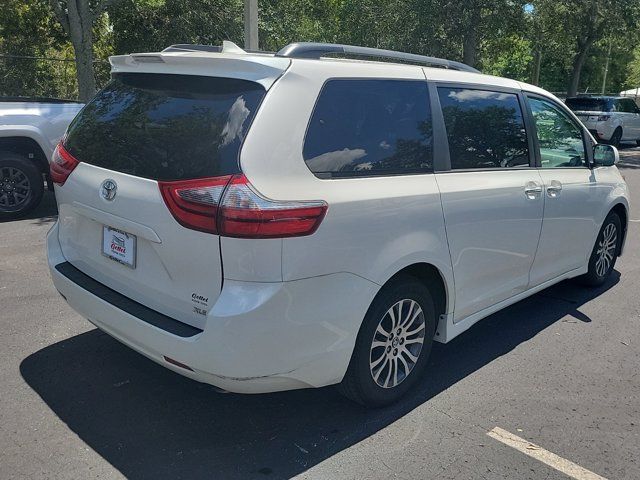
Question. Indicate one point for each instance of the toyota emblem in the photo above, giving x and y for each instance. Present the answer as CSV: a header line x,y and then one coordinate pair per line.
x,y
108,189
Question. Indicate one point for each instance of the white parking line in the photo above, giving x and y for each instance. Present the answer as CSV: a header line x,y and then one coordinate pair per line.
x,y
545,456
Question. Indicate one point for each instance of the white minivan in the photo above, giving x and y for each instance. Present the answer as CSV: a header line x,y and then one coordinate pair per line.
x,y
265,222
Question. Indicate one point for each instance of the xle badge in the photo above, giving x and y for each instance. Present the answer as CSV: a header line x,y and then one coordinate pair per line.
x,y
201,303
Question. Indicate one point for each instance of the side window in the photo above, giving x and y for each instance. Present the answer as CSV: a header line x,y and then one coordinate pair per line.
x,y
559,137
628,105
370,127
485,129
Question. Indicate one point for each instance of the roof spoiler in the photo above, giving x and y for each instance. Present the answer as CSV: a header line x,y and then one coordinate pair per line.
x,y
193,60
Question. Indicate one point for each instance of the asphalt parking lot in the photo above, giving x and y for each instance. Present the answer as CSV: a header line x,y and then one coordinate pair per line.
x,y
560,370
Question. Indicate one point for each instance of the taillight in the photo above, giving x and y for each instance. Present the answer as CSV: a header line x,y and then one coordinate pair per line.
x,y
229,206
62,164
603,118
246,214
194,203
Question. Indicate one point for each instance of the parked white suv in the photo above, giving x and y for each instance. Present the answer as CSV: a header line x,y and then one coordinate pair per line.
x,y
612,119
265,222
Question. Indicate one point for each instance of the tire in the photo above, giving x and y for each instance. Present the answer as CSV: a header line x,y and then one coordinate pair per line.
x,y
601,263
616,137
396,353
21,185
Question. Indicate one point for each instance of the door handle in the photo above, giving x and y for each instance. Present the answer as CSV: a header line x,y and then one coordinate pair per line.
x,y
532,190
554,188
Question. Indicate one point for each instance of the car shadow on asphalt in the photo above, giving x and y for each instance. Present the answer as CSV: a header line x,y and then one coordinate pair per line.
x,y
629,157
46,212
149,422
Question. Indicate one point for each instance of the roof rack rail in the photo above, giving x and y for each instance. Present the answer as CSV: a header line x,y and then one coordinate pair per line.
x,y
319,50
226,47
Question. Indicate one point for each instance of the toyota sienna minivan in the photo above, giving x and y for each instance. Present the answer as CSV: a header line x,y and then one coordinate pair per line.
x,y
264,222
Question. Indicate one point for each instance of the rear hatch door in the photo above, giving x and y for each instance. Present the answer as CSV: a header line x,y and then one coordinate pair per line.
x,y
589,109
141,130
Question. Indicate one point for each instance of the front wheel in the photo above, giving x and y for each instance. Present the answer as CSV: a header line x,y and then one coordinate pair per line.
x,y
393,344
21,185
605,251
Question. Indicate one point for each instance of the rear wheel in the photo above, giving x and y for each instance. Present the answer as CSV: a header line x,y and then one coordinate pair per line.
x,y
616,137
21,185
605,252
393,344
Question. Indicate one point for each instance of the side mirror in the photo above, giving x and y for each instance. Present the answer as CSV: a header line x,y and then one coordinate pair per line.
x,y
605,155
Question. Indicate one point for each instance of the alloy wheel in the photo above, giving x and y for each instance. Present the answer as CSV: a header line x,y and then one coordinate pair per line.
x,y
606,249
15,188
397,343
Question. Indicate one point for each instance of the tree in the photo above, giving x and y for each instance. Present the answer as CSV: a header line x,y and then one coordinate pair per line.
x,y
590,27
507,56
152,25
458,29
77,18
556,43
23,70
581,24
633,71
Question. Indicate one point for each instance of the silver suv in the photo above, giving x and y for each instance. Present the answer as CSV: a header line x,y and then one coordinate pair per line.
x,y
612,119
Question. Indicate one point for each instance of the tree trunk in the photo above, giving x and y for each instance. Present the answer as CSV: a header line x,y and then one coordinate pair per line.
x,y
76,18
81,34
578,63
537,60
470,48
470,36
84,69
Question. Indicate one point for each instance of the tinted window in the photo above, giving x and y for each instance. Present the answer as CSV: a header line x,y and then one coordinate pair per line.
x,y
559,137
166,127
627,105
370,127
485,128
589,104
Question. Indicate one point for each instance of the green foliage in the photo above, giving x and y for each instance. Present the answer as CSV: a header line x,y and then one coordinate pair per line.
x,y
20,23
502,37
571,31
508,57
632,79
152,25
286,21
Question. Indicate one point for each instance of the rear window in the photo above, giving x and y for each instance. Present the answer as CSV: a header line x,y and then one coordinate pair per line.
x,y
370,127
588,104
166,127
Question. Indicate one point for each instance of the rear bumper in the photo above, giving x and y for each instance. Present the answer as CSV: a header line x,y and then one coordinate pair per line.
x,y
601,131
595,133
259,337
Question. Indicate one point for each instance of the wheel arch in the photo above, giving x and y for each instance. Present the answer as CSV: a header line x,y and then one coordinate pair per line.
x,y
28,147
621,210
617,127
433,279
